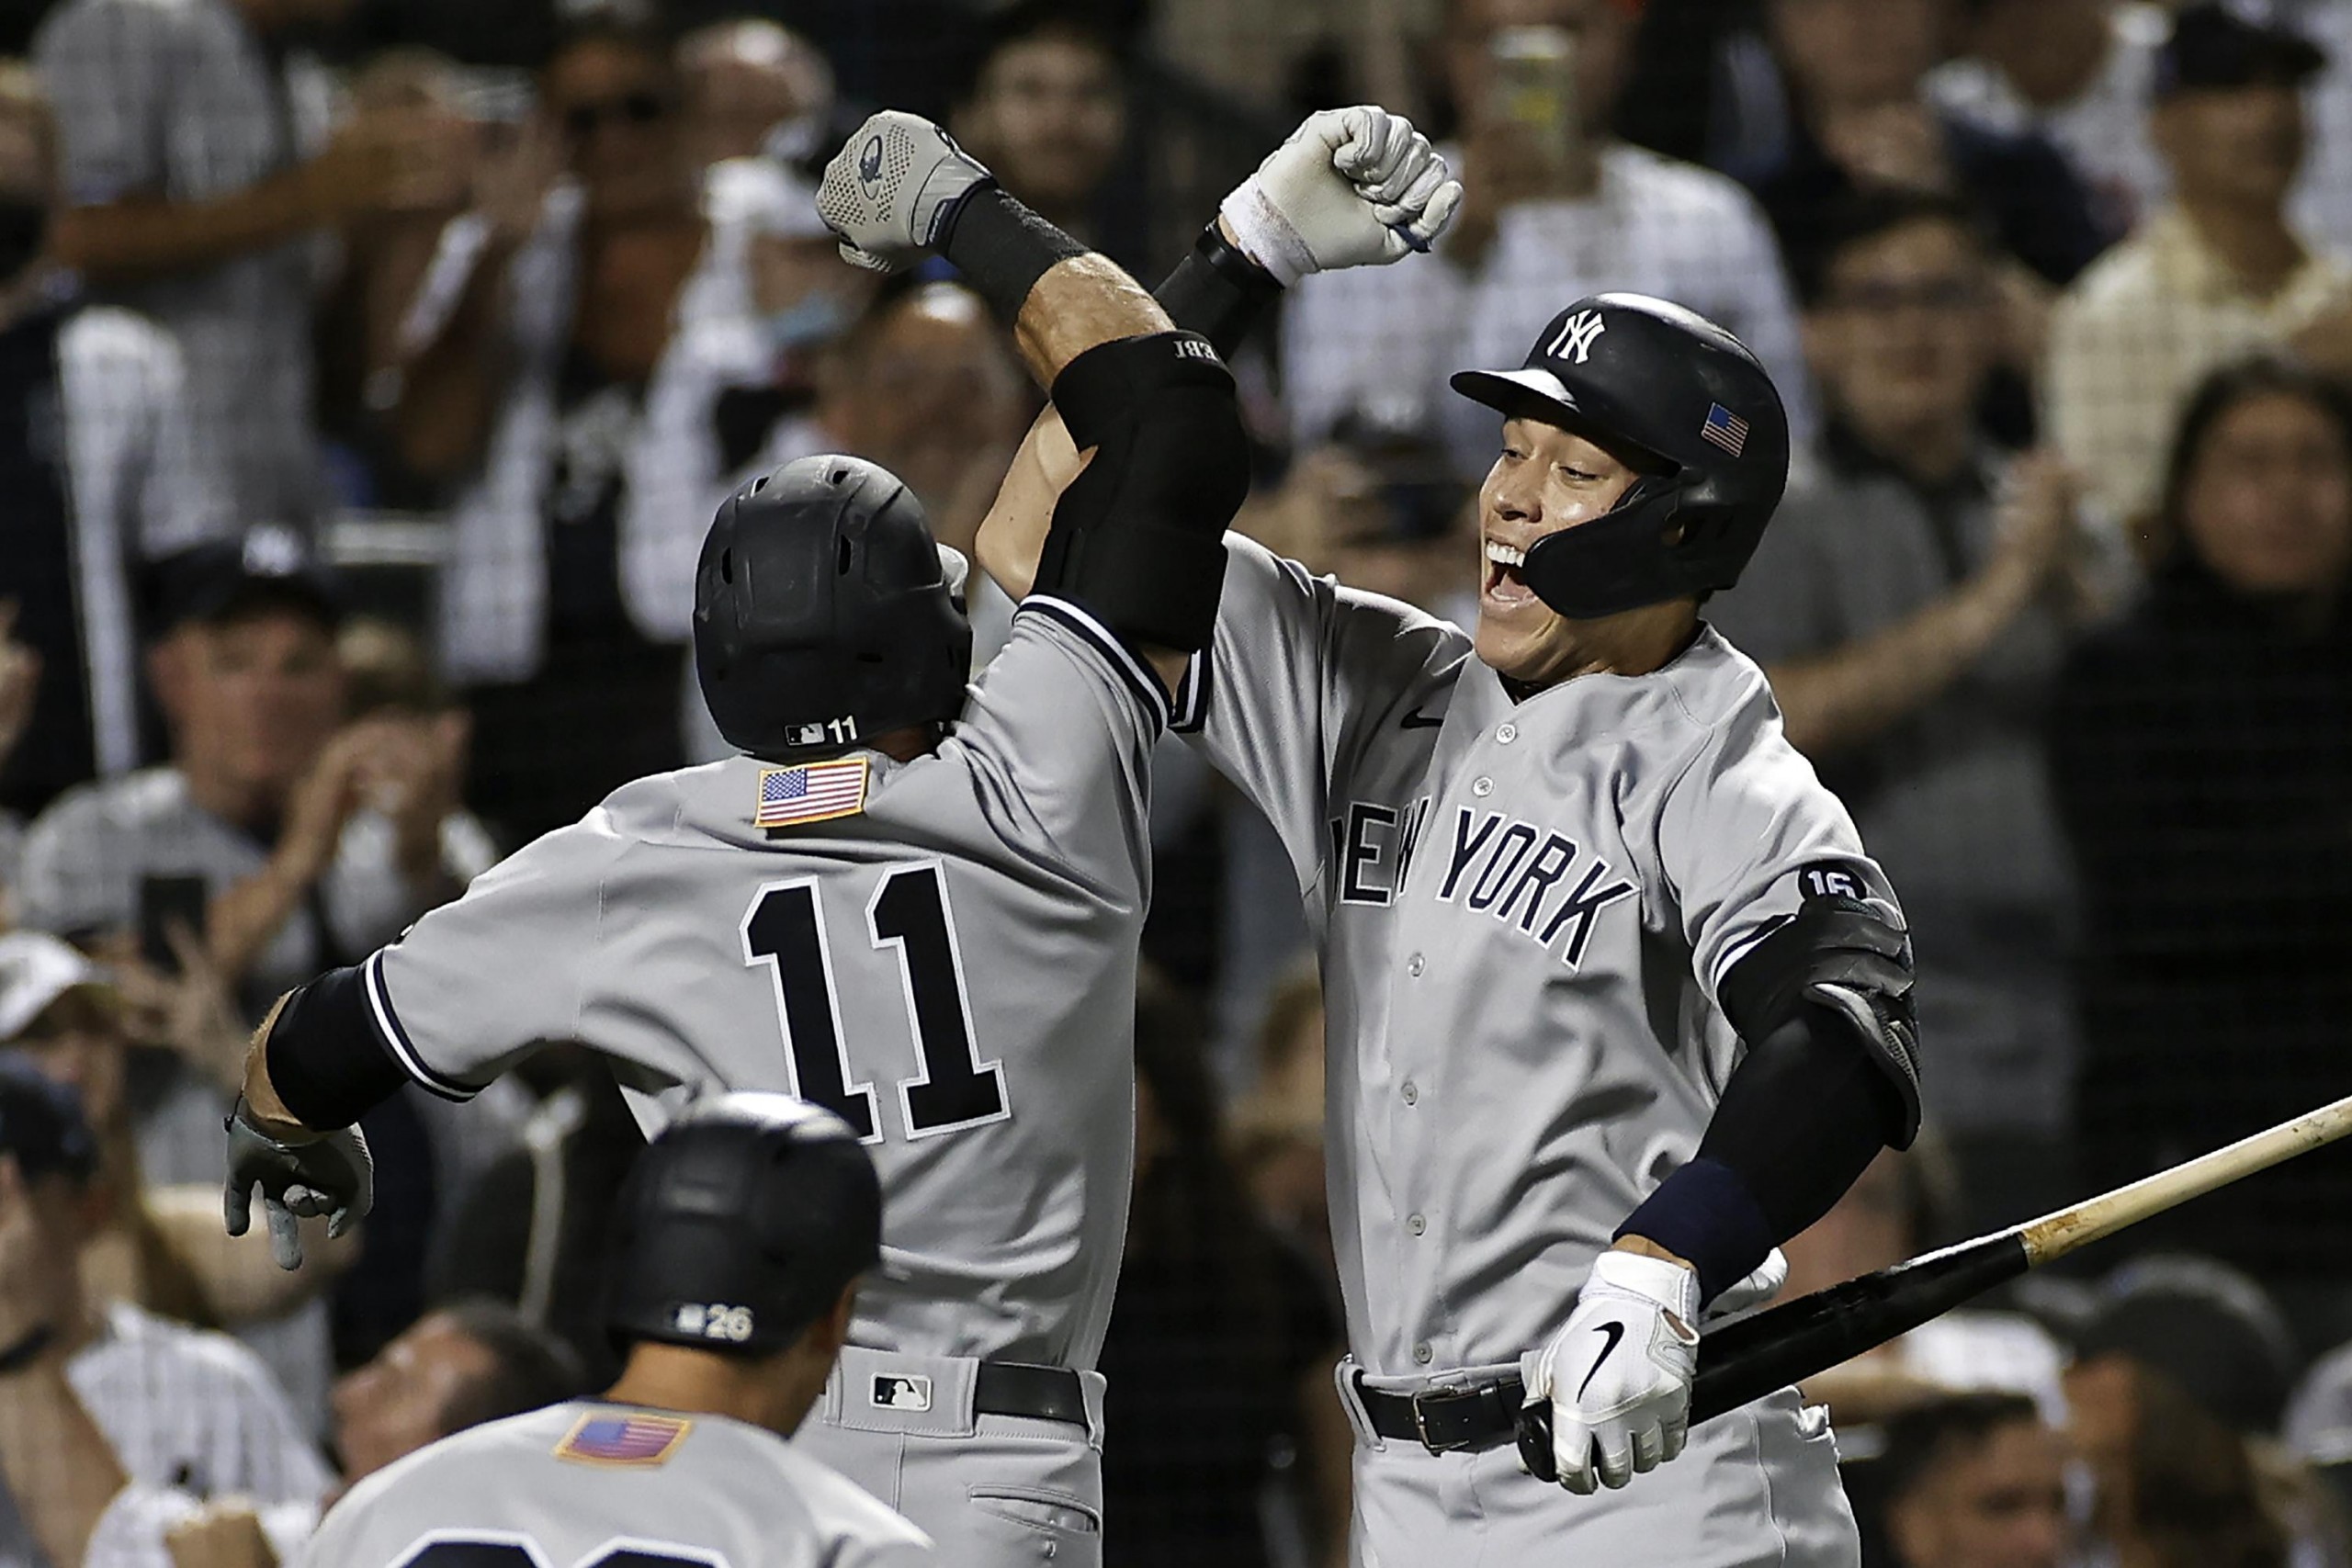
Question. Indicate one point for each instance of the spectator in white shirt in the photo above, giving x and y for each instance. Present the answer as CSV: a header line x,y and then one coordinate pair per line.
x,y
99,470
1545,217
111,1420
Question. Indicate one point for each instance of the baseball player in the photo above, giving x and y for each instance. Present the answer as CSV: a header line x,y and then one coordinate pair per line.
x,y
1616,1000
916,906
754,1212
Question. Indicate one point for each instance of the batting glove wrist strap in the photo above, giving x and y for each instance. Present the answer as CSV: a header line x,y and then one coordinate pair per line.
x,y
1351,187
1003,248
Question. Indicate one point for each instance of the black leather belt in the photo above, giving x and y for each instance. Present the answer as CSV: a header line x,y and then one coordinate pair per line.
x,y
1041,1393
1445,1419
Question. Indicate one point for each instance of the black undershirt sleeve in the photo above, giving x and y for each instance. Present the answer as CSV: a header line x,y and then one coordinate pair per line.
x,y
326,1061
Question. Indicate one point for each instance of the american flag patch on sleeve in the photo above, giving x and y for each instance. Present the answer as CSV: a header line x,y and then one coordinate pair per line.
x,y
613,1437
812,792
1725,429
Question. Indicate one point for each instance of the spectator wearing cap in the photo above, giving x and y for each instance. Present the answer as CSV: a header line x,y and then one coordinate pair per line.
x,y
561,370
803,297
1912,603
2078,72
2180,1377
287,835
1967,1480
1551,210
197,167
156,1114
2214,274
113,1422
99,470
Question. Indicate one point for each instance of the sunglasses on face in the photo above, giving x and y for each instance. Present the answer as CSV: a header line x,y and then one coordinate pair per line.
x,y
582,122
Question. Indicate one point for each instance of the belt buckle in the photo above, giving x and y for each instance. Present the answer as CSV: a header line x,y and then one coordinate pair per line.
x,y
1421,1401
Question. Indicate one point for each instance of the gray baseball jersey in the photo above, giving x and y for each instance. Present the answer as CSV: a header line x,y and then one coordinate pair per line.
x,y
943,951
590,1485
1525,910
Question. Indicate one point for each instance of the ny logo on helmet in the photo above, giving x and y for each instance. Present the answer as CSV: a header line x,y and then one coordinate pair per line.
x,y
1575,336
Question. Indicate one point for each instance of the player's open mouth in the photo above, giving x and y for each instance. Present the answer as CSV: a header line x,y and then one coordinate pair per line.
x,y
1503,588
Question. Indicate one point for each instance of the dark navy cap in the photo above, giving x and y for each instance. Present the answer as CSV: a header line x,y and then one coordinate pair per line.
x,y
2221,45
270,566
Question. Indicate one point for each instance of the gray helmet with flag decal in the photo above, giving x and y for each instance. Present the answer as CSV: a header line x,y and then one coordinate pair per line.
x,y
1676,398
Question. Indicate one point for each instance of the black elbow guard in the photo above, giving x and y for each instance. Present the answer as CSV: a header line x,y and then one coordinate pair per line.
x,y
325,1060
1137,537
1841,957
1217,292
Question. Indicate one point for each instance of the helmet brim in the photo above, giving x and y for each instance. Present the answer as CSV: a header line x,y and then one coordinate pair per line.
x,y
1535,393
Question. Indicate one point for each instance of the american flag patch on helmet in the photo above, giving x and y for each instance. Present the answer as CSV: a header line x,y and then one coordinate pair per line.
x,y
1725,429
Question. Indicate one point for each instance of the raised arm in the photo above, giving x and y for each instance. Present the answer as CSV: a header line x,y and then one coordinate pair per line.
x,y
1351,187
1134,539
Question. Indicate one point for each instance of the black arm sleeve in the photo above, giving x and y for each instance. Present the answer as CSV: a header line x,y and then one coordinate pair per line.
x,y
325,1059
1802,1115
1217,292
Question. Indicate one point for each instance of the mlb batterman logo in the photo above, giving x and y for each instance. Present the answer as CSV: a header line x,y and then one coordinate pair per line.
x,y
869,166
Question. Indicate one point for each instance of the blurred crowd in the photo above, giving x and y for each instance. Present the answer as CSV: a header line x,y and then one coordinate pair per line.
x,y
369,370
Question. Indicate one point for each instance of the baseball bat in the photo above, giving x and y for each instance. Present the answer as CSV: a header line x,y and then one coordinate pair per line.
x,y
1744,1361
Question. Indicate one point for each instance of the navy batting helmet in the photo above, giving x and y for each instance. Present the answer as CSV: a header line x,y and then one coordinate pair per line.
x,y
1681,400
826,613
741,1224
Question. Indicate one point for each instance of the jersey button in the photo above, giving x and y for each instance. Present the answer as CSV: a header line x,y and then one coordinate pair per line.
x,y
1415,1223
1505,734
1482,787
1423,1354
1411,1091
1415,965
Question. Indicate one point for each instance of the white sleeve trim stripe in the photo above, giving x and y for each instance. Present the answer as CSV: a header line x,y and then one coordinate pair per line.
x,y
395,1038
1137,676
1193,695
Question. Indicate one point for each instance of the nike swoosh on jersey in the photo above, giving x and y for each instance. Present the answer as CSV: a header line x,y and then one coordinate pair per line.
x,y
1615,1331
1416,719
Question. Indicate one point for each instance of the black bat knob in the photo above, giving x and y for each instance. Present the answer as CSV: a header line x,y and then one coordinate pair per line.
x,y
1536,1440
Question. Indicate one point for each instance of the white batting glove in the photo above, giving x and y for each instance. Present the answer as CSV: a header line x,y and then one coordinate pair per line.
x,y
1351,187
1755,1287
891,188
1619,1374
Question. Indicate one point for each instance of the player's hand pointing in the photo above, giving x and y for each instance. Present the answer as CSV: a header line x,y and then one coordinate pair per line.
x,y
333,1176
1351,187
1618,1376
891,189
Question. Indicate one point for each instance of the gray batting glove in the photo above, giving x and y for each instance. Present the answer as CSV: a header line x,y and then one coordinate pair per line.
x,y
1351,187
890,190
335,1176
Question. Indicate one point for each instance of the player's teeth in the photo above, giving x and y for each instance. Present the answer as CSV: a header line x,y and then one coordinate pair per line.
x,y
1503,554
